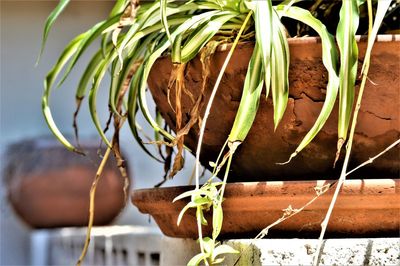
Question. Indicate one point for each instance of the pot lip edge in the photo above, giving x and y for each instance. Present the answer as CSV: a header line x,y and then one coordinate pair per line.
x,y
306,40
303,40
278,184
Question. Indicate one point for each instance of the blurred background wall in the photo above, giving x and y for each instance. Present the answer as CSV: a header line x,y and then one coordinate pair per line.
x,y
21,90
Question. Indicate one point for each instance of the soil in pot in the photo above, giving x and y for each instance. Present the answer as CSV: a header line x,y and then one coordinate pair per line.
x,y
378,123
48,186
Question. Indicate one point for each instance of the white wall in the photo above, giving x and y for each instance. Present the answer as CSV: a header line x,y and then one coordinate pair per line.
x,y
21,90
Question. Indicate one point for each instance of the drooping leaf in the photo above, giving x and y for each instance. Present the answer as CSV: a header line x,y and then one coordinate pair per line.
x,y
223,249
93,100
62,4
263,17
91,35
329,59
204,35
250,98
132,109
89,72
346,40
381,10
164,20
279,70
197,259
118,8
218,217
68,52
183,211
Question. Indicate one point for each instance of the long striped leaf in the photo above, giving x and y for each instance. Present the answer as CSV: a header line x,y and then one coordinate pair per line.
x,y
204,34
381,10
90,71
279,70
164,20
93,97
91,35
249,102
263,18
329,59
132,109
68,52
346,39
118,8
62,4
118,76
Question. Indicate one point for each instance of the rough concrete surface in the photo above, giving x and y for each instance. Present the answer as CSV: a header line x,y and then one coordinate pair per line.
x,y
357,251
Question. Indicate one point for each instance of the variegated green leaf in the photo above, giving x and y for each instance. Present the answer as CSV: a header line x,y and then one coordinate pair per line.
x,y
164,19
381,10
346,39
250,98
197,259
217,219
183,211
90,36
93,97
263,18
68,52
279,70
223,249
62,4
89,72
329,59
204,34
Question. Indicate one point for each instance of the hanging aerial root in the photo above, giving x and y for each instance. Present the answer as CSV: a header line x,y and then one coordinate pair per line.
x,y
75,118
91,206
179,84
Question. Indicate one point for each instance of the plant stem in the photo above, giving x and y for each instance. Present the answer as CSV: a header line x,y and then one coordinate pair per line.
x,y
207,113
91,205
372,159
212,96
349,145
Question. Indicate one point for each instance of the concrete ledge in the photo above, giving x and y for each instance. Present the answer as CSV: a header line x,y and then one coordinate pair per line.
x,y
358,251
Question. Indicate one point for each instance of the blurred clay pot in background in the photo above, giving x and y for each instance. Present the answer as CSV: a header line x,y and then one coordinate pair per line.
x,y
48,186
255,160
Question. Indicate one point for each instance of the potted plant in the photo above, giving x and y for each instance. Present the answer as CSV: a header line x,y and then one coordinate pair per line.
x,y
189,53
48,186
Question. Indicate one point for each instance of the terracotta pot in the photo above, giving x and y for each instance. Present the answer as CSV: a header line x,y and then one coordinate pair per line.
x,y
48,186
364,208
378,124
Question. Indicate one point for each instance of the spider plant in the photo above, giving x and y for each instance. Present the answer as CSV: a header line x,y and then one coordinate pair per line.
x,y
136,34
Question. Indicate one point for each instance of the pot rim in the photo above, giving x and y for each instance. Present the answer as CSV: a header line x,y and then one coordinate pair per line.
x,y
315,39
354,186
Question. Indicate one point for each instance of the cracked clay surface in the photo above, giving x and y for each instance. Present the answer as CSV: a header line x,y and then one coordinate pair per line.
x,y
378,124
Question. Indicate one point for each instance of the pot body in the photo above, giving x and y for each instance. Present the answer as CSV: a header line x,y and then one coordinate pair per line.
x,y
48,186
378,124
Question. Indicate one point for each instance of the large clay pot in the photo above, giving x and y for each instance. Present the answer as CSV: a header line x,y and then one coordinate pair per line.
x,y
48,186
378,124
